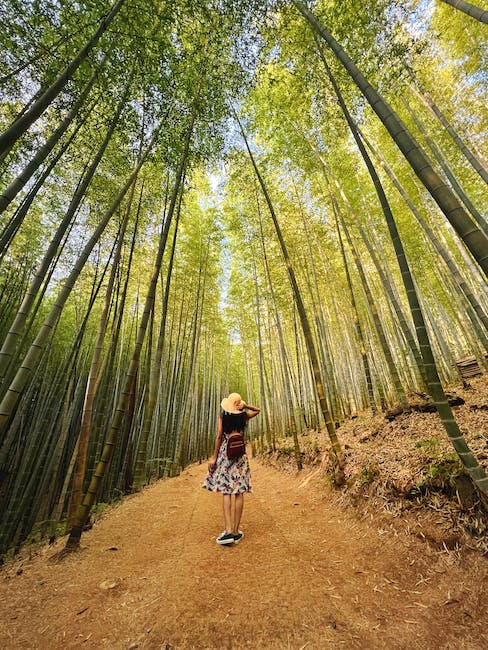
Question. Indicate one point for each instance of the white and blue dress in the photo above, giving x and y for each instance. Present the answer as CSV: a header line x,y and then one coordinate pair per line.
x,y
230,476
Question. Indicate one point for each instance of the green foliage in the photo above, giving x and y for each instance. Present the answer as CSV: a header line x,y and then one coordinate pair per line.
x,y
367,475
100,508
440,475
427,444
445,471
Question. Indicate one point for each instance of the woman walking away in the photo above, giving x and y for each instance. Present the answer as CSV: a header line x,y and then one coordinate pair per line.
x,y
230,474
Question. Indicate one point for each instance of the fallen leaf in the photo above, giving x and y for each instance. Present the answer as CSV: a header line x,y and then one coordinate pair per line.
x,y
108,584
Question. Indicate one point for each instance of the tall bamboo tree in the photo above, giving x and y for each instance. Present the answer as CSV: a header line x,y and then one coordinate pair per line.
x,y
13,392
9,137
307,332
469,9
469,461
9,344
473,237
93,488
10,192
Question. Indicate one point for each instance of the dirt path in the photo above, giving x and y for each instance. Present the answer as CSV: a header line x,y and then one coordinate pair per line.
x,y
306,575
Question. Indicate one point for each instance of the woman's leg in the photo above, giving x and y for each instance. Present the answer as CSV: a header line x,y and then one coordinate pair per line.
x,y
226,503
238,512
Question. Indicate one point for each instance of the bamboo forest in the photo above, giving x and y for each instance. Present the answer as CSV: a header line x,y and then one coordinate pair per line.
x,y
284,200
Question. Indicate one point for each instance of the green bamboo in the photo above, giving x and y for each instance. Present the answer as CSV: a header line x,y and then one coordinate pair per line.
x,y
94,374
469,9
10,192
451,427
474,160
444,165
431,236
29,362
475,240
11,228
108,448
9,137
357,322
307,331
9,345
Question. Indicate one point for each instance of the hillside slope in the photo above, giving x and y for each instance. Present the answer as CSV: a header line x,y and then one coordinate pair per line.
x,y
405,470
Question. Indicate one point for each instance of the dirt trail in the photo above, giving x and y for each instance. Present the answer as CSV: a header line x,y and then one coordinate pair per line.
x,y
306,575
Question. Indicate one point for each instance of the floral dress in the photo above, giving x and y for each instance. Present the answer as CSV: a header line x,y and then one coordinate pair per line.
x,y
230,476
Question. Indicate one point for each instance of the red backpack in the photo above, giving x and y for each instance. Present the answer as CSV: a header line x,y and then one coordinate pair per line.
x,y
236,447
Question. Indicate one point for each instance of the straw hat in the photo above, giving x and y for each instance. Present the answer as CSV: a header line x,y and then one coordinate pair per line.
x,y
233,403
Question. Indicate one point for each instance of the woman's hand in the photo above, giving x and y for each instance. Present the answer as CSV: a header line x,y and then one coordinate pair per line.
x,y
211,464
254,409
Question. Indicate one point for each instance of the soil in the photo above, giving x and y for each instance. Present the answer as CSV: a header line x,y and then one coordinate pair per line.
x,y
308,574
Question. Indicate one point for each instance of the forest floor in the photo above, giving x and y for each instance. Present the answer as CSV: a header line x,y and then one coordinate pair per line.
x,y
403,471
308,574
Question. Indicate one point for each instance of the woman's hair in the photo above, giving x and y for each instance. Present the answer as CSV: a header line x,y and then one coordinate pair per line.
x,y
233,421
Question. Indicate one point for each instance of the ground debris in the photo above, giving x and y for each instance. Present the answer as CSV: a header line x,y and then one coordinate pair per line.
x,y
109,584
406,468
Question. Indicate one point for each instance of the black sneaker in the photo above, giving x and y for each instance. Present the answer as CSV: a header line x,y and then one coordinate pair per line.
x,y
238,536
225,538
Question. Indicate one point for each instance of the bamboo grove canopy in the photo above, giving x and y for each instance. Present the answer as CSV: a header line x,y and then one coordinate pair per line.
x,y
285,199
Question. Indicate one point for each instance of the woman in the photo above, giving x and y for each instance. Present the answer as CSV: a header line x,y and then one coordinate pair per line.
x,y
230,476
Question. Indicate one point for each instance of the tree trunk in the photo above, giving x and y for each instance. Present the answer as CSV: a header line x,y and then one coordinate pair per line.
x,y
94,375
12,394
432,238
11,229
469,9
451,427
9,194
444,165
7,351
471,157
287,401
155,373
357,322
378,326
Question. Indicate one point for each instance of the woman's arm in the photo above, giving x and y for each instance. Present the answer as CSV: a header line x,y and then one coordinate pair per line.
x,y
252,411
218,440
